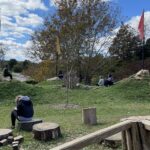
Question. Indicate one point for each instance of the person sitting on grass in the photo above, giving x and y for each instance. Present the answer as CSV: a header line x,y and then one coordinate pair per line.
x,y
109,81
23,110
101,81
60,75
6,72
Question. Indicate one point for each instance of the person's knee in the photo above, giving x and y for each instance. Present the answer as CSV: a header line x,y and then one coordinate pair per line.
x,y
14,113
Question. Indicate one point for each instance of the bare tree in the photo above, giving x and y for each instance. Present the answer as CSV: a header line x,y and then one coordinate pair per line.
x,y
83,28
2,54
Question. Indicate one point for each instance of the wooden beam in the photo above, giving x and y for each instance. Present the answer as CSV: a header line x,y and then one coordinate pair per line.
x,y
95,137
129,139
124,140
146,124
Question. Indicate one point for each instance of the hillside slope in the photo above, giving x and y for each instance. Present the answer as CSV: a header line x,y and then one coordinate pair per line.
x,y
126,98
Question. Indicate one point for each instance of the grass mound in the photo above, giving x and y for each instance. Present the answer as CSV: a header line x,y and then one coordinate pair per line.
x,y
126,98
9,90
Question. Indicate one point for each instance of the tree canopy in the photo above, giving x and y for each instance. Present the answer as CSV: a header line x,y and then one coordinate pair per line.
x,y
125,45
82,27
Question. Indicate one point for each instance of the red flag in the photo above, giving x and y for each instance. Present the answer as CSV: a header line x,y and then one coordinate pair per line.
x,y
141,27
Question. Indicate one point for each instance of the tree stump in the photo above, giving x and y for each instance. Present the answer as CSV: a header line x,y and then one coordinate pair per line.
x,y
89,116
46,131
4,133
113,141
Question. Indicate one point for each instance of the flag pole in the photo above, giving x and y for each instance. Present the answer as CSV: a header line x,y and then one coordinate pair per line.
x,y
143,43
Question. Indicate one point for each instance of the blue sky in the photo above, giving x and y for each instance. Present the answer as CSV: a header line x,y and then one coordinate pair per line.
x,y
130,8
20,18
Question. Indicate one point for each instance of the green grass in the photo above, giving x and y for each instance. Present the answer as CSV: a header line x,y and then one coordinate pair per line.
x,y
126,98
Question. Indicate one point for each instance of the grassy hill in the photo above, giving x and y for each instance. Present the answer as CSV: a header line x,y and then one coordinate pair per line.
x,y
128,97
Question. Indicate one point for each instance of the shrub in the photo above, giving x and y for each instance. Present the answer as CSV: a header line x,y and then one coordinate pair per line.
x,y
41,71
94,80
17,68
31,82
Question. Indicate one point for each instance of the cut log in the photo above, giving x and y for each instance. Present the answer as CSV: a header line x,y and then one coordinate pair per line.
x,y
15,146
89,116
113,141
10,139
3,142
19,138
4,133
15,142
46,131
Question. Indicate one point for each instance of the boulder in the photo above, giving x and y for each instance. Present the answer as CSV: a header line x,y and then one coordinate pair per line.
x,y
141,74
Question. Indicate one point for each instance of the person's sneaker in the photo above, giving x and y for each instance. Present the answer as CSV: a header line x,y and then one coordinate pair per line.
x,y
12,127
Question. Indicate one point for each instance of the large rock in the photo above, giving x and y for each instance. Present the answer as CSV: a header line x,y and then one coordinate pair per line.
x,y
53,79
141,74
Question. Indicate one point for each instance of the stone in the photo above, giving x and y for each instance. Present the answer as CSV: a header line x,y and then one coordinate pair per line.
x,y
19,138
141,74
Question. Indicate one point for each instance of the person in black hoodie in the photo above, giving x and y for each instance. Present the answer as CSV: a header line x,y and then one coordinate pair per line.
x,y
6,72
23,110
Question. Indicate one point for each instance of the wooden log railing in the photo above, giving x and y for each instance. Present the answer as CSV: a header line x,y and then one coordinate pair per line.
x,y
135,135
95,137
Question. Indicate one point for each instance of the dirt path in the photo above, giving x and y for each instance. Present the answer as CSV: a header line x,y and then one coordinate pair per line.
x,y
17,76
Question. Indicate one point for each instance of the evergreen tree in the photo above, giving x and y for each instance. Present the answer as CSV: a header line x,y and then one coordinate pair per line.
x,y
125,44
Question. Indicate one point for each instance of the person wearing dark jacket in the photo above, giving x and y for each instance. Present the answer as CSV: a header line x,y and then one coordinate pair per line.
x,y
6,72
23,110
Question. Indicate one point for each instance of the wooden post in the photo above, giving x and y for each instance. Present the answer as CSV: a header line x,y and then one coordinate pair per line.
x,y
129,139
124,141
89,116
144,137
137,145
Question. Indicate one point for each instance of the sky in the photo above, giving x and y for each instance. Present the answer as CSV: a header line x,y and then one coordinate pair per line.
x,y
20,18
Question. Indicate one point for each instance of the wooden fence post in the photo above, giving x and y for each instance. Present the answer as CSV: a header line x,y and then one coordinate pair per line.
x,y
137,145
124,141
129,139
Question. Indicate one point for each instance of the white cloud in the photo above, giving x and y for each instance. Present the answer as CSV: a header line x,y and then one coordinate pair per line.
x,y
17,22
16,50
18,7
53,2
134,22
35,4
28,44
31,20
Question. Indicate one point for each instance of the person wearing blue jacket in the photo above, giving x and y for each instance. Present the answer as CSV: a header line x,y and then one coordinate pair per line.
x,y
23,110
